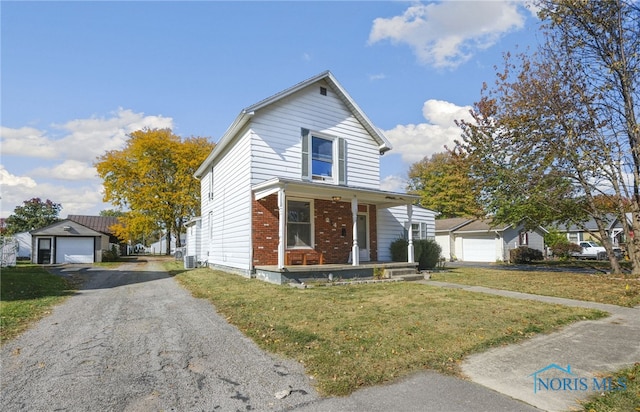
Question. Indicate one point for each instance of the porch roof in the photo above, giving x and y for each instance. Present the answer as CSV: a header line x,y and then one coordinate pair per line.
x,y
381,198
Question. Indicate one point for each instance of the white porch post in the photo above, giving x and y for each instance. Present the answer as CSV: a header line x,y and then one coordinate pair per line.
x,y
281,227
355,250
410,252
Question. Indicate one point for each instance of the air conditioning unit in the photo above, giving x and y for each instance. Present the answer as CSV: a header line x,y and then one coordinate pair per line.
x,y
189,262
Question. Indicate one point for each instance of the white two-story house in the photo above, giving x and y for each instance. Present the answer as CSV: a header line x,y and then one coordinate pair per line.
x,y
295,180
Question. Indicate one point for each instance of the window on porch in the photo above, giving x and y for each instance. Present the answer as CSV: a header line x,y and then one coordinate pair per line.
x,y
299,224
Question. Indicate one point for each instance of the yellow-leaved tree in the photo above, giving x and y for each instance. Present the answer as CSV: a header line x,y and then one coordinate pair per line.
x,y
152,179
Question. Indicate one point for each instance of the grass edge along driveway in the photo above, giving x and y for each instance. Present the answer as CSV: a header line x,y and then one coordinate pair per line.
x,y
614,290
27,294
350,337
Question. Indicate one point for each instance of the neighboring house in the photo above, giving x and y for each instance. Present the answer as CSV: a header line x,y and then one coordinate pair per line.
x,y
160,247
478,240
585,232
296,179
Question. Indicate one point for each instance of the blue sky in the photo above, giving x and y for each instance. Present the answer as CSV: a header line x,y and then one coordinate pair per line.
x,y
77,77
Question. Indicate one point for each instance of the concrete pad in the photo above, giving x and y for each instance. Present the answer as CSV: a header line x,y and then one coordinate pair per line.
x,y
425,391
554,372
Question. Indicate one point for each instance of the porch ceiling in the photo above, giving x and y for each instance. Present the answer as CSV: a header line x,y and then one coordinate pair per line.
x,y
382,199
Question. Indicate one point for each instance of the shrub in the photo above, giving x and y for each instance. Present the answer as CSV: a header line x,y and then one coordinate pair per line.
x,y
426,252
110,255
565,249
399,250
524,254
429,254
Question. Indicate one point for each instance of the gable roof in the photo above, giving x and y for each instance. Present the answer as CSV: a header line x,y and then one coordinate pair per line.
x,y
247,113
100,224
66,227
451,224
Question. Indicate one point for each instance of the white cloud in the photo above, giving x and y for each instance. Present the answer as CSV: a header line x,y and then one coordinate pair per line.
x,y
393,183
27,141
415,141
7,179
68,170
90,138
447,34
379,76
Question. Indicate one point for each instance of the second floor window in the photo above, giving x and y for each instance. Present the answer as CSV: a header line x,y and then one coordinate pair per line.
x,y
321,157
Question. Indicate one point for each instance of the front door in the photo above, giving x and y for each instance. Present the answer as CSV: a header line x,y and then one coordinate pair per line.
x,y
44,251
363,237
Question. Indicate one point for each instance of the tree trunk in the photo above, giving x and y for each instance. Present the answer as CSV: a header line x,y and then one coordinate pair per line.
x,y
168,247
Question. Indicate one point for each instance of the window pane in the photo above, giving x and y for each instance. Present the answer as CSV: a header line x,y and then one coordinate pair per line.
x,y
321,168
299,235
298,224
321,156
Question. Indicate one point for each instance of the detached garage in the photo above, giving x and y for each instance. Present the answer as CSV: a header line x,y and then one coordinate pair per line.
x,y
66,242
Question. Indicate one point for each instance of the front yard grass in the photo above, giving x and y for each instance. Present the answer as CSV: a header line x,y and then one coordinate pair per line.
x,y
348,337
27,293
615,290
624,399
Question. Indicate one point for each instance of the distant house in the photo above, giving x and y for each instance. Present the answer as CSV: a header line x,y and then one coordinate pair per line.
x,y
613,228
295,180
77,239
160,247
479,240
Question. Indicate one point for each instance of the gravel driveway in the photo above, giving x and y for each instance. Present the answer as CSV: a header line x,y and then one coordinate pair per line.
x,y
133,340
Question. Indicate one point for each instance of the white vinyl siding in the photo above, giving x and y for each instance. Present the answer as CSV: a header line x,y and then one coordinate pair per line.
x,y
391,226
277,143
228,213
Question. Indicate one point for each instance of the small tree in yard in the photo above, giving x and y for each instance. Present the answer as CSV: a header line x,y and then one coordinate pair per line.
x,y
33,214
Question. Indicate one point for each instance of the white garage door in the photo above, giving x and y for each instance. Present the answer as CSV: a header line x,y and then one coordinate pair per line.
x,y
479,248
74,250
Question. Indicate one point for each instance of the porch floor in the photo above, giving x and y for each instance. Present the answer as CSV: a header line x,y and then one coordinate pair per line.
x,y
299,273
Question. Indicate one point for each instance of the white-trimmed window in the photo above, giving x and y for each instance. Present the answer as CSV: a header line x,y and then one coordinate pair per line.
x,y
524,238
299,224
418,230
323,157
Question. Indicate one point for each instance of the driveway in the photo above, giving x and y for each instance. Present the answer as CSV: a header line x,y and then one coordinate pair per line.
x,y
133,340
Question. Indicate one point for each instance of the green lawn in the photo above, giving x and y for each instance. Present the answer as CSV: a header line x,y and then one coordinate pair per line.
x,y
627,398
348,337
616,290
27,293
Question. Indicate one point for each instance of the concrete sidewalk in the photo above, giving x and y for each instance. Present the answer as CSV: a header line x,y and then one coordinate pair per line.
x,y
567,365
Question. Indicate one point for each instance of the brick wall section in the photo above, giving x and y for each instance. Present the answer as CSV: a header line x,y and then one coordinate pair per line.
x,y
265,231
333,225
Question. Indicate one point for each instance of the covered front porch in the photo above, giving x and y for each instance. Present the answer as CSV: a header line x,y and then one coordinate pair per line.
x,y
311,273
300,225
